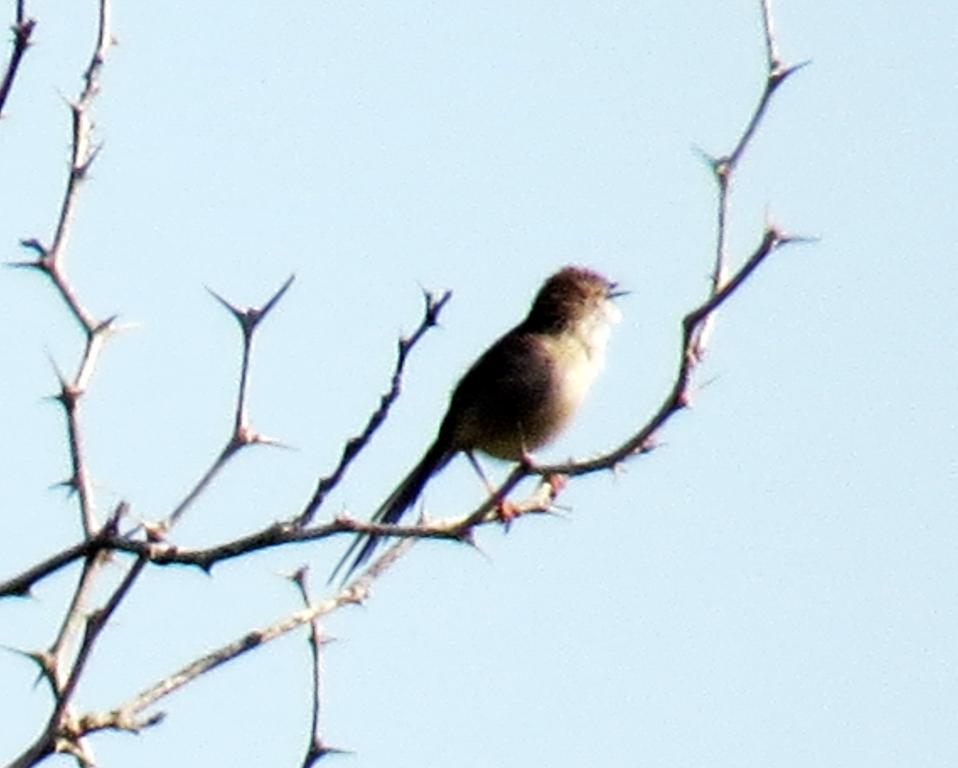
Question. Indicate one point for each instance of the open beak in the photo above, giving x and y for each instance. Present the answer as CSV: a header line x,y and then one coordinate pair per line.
x,y
615,292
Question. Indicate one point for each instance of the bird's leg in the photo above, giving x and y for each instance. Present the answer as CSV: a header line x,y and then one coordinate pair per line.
x,y
506,510
556,481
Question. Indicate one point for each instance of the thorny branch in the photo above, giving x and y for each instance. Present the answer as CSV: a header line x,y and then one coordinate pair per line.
x,y
157,550
62,665
22,30
128,716
724,167
433,306
243,434
50,261
147,545
317,748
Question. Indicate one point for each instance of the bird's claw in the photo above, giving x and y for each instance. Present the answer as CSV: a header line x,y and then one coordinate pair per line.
x,y
556,482
507,511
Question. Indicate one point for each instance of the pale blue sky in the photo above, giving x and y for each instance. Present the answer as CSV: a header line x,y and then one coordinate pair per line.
x,y
777,586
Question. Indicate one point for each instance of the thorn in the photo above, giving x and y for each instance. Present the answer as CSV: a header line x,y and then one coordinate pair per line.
x,y
299,576
154,719
105,326
273,442
221,300
119,512
784,239
277,296
779,72
434,305
252,316
80,171
704,156
42,659
650,444
343,518
468,536
560,511
35,264
155,532
319,750
423,518
32,244
70,485
469,539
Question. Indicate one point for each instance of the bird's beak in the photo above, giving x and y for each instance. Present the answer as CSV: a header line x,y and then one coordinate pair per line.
x,y
615,292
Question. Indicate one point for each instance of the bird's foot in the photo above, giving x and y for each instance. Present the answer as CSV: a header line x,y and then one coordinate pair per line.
x,y
507,511
556,482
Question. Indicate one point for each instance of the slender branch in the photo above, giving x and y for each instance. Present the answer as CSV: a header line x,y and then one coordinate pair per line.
x,y
433,306
160,552
75,618
50,262
82,154
316,748
242,434
62,666
104,540
22,30
231,447
20,585
62,733
724,167
79,481
94,626
129,715
83,151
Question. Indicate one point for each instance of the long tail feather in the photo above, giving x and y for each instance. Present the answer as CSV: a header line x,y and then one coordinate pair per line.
x,y
395,506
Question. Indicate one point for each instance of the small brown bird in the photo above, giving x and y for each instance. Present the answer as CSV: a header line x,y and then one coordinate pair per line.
x,y
522,391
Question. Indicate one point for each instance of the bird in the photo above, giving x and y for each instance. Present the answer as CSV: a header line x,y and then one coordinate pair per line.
x,y
519,394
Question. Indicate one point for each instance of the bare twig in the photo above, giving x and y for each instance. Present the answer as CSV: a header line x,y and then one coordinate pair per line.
x,y
128,716
20,585
22,30
724,167
79,481
163,553
316,749
433,306
242,434
75,618
94,626
62,733
83,153
50,261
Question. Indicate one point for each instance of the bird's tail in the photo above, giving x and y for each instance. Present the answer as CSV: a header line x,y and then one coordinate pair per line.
x,y
393,508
